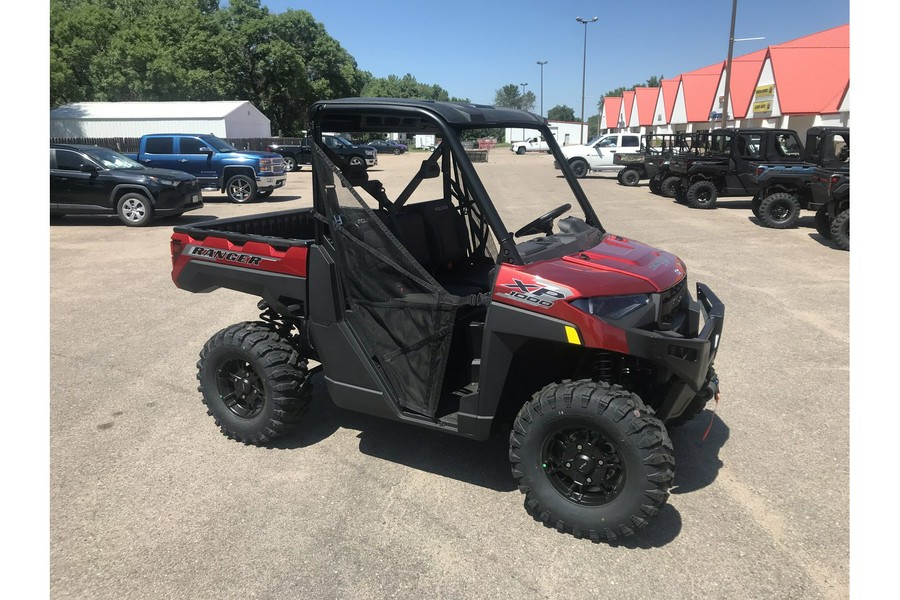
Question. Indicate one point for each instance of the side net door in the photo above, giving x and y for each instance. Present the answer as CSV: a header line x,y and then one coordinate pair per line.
x,y
402,315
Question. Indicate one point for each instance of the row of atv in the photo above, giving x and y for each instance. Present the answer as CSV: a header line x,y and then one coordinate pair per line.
x,y
782,174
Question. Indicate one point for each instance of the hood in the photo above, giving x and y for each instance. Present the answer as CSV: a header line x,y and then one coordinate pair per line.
x,y
579,150
615,266
153,172
256,153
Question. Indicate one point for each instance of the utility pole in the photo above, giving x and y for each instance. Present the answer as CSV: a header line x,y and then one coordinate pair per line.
x,y
542,63
584,69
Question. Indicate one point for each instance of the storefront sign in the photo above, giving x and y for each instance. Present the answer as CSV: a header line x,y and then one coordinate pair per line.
x,y
765,106
765,90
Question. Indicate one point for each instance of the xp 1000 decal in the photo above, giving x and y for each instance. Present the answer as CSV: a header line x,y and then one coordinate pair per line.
x,y
530,290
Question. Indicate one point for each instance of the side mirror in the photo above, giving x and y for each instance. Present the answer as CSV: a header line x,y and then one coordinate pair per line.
x,y
429,170
88,168
205,150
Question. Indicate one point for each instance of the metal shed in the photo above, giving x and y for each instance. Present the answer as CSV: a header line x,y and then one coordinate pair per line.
x,y
226,119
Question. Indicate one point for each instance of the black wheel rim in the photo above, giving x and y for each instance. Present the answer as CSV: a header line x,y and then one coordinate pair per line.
x,y
240,388
583,465
779,212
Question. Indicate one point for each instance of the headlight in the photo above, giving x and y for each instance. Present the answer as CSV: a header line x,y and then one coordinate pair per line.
x,y
161,181
612,307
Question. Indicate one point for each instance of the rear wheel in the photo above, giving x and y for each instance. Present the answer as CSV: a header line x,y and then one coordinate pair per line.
x,y
241,189
591,459
754,204
134,209
289,163
655,183
254,383
701,194
840,230
669,186
630,177
823,222
579,167
779,210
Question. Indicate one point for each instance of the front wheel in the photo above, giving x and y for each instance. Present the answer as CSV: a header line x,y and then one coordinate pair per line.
x,y
591,459
580,167
701,194
779,210
754,204
655,183
840,230
520,150
356,161
241,189
134,209
254,383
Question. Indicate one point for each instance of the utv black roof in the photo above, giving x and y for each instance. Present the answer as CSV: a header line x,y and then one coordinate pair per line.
x,y
405,115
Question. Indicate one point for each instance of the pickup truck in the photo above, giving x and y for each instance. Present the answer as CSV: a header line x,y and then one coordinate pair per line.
x,y
598,154
243,175
785,187
581,346
533,144
297,155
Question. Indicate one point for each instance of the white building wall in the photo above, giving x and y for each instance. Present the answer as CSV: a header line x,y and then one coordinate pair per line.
x,y
100,128
679,112
247,121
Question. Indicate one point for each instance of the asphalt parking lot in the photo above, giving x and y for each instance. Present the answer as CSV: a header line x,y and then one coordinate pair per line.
x,y
149,500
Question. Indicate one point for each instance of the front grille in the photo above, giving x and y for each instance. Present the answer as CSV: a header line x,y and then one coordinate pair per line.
x,y
672,304
189,187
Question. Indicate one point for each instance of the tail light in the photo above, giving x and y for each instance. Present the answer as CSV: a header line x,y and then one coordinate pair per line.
x,y
835,179
759,171
176,247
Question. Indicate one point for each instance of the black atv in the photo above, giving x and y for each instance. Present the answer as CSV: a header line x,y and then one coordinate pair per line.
x,y
651,162
726,167
785,187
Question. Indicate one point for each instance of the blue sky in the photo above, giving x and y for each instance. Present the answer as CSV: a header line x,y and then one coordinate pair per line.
x,y
472,48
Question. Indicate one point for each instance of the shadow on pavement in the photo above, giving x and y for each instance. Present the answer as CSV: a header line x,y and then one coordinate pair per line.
x,y
485,464
697,461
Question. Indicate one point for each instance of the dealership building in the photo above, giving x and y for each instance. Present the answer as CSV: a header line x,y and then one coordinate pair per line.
x,y
795,85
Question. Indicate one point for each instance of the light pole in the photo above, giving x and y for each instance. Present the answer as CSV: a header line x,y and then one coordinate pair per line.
x,y
542,63
731,42
584,69
523,107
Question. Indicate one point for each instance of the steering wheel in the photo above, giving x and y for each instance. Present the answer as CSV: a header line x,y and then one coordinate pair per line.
x,y
544,223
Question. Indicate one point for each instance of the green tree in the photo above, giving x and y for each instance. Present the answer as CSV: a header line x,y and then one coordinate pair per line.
x,y
561,112
510,97
154,50
405,87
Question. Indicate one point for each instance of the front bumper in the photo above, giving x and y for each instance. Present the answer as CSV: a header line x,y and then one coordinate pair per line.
x,y
690,359
270,183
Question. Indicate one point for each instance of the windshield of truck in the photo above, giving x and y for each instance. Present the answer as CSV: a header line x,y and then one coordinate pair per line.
x,y
111,159
217,144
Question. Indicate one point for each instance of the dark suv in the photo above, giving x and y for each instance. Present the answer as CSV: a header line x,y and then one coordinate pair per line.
x,y
93,180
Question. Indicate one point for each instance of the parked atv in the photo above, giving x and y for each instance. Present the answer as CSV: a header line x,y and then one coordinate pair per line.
x,y
785,187
725,169
831,201
430,312
656,149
